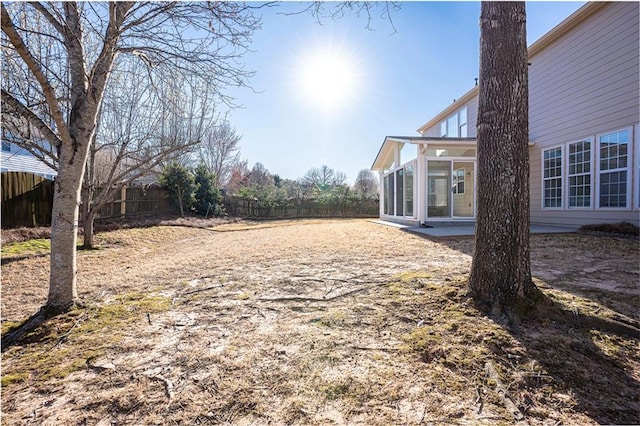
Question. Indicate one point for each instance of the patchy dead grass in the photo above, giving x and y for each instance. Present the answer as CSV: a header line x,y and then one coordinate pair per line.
x,y
316,322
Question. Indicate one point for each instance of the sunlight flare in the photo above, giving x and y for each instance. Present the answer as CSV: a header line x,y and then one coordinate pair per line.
x,y
328,79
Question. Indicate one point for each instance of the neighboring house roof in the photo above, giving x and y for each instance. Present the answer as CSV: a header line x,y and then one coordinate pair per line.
x,y
16,162
558,31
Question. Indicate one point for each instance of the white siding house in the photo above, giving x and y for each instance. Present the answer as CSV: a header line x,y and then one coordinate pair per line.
x,y
584,125
13,158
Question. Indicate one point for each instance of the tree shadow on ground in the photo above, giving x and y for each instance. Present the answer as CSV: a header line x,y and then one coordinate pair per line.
x,y
578,264
582,356
42,326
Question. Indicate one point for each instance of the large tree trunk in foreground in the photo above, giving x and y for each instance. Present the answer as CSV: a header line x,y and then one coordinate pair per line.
x,y
501,269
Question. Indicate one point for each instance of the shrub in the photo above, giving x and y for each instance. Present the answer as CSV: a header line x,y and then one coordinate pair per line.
x,y
179,181
208,199
614,228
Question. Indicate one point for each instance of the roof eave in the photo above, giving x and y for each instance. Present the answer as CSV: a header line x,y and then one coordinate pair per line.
x,y
556,32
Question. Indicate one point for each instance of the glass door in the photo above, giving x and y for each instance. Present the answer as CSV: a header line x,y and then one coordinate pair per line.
x,y
463,185
439,189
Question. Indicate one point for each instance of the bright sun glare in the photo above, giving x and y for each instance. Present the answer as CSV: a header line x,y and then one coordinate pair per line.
x,y
328,80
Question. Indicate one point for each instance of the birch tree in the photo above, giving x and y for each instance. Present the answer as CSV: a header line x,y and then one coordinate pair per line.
x,y
67,52
501,269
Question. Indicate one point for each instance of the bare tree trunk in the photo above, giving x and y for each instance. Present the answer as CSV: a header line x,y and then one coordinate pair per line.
x,y
501,269
63,291
88,221
180,200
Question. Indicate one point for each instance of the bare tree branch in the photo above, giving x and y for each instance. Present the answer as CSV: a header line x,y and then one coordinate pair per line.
x,y
11,104
32,64
49,17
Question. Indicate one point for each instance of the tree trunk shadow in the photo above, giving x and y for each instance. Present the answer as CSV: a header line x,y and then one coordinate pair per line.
x,y
15,335
571,348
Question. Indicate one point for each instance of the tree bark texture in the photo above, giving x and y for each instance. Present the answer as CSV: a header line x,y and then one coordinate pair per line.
x,y
86,91
501,268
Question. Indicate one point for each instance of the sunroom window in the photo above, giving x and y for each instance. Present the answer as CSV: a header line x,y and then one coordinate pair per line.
x,y
408,190
399,192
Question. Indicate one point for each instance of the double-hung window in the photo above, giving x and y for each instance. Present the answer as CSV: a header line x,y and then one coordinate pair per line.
x,y
552,177
613,162
579,173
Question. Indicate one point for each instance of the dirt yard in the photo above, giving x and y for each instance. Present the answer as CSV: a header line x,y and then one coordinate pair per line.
x,y
316,322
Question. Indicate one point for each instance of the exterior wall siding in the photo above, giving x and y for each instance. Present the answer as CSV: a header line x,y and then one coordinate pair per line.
x,y
584,84
21,162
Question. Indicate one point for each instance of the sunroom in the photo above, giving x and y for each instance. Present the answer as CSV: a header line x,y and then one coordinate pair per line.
x,y
427,179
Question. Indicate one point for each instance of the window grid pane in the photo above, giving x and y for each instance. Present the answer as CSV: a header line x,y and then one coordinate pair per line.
x,y
613,189
580,174
613,169
552,172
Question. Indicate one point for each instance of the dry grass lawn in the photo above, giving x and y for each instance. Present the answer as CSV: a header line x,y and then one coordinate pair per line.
x,y
315,322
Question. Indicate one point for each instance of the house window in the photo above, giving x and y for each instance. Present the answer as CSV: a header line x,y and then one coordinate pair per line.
x,y
452,126
399,192
613,159
6,146
455,126
462,126
579,174
552,177
389,194
458,181
408,190
385,189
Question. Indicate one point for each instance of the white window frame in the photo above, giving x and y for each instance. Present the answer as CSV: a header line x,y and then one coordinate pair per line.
x,y
627,168
568,175
457,180
461,124
543,179
446,132
413,164
394,172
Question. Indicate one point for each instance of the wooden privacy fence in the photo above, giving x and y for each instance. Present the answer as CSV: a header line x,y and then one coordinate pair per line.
x,y
27,200
244,207
134,201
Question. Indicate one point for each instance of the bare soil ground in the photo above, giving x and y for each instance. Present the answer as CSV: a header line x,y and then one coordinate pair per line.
x,y
317,322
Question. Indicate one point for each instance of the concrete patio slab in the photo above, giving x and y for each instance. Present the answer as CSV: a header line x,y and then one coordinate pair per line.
x,y
468,229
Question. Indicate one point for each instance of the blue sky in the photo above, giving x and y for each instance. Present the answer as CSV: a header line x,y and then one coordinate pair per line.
x,y
387,84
